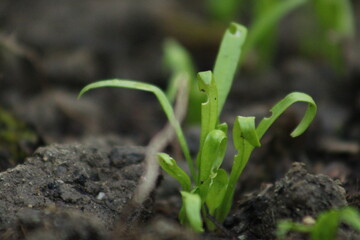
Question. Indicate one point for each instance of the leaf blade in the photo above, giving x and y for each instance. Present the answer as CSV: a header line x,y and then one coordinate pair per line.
x,y
164,102
168,164
192,205
227,60
284,104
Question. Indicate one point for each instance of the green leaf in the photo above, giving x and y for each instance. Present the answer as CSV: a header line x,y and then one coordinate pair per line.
x,y
223,127
192,206
217,190
177,58
335,16
168,164
245,128
351,217
336,24
284,104
227,60
268,20
209,114
165,104
223,10
213,153
215,195
245,139
326,226
179,61
285,226
209,109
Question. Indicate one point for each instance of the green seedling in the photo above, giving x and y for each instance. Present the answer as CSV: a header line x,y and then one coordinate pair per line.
x,y
333,20
208,191
265,18
267,15
326,225
335,25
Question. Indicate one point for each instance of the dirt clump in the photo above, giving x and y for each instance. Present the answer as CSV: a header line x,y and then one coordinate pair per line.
x,y
298,195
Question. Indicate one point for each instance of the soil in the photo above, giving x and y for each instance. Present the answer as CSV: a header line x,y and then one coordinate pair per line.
x,y
69,168
296,196
95,178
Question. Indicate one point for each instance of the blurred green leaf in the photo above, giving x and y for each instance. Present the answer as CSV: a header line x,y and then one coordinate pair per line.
x,y
351,217
267,21
326,226
179,61
223,10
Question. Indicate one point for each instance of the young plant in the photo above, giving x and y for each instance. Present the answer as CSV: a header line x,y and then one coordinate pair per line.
x,y
208,191
326,225
263,31
335,24
333,20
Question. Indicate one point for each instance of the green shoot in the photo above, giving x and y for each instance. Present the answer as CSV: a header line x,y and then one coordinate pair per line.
x,y
335,20
209,190
227,60
326,225
165,104
179,62
262,31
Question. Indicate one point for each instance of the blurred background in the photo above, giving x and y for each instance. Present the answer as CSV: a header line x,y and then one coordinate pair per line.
x,y
50,49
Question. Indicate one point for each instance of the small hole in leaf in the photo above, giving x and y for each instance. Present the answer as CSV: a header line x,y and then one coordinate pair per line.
x,y
234,30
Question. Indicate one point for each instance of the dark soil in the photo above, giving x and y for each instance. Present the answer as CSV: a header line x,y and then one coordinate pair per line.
x,y
296,196
59,182
67,182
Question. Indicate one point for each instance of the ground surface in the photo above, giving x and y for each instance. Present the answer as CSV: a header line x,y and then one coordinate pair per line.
x,y
58,181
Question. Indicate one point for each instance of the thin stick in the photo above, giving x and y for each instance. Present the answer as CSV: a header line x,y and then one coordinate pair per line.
x,y
160,141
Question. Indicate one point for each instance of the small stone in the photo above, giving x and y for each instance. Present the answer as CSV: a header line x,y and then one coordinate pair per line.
x,y
308,220
100,196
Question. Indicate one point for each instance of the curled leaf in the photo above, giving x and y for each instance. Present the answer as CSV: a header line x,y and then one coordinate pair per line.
x,y
163,100
244,129
213,153
217,190
284,104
